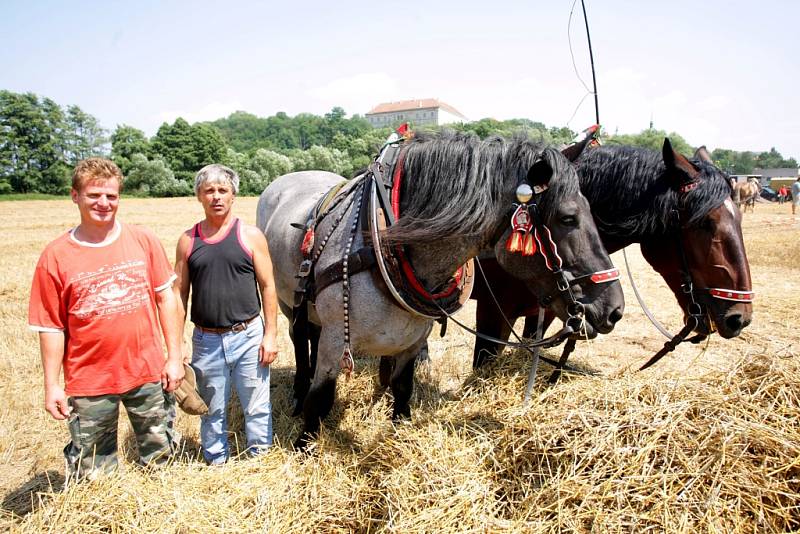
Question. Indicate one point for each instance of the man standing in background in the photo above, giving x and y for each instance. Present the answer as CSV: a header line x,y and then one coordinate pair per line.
x,y
99,299
226,266
795,195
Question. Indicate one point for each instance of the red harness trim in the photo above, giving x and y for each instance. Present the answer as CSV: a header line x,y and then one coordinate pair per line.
x,y
553,248
601,277
408,271
732,294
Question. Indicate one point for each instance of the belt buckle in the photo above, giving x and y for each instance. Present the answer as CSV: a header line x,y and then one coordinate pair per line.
x,y
305,269
239,327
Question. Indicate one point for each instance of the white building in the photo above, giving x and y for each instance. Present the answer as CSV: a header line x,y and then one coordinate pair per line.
x,y
426,111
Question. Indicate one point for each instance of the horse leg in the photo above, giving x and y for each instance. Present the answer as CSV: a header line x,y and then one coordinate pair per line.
x,y
385,369
299,334
321,394
488,321
403,379
532,323
313,338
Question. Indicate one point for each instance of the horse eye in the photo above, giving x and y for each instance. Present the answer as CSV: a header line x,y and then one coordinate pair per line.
x,y
705,225
569,220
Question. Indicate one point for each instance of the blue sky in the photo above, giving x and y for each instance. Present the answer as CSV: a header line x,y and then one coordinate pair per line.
x,y
720,73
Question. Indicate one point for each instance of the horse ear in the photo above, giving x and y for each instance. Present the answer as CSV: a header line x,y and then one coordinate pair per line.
x,y
703,155
540,173
574,150
679,169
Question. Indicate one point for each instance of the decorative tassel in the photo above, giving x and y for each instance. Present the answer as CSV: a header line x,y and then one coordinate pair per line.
x,y
308,242
529,249
514,241
347,364
520,226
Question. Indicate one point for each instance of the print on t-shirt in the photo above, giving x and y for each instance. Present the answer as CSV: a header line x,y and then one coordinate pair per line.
x,y
113,289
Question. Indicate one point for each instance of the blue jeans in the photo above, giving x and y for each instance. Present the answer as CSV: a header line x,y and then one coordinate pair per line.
x,y
222,360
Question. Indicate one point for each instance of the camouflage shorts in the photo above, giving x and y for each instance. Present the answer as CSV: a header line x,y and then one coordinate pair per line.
x,y
93,429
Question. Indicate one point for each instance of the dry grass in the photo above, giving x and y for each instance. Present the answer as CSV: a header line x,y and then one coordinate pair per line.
x,y
707,441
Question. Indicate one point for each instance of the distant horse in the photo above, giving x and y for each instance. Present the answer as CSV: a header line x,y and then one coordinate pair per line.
x,y
456,199
673,207
746,193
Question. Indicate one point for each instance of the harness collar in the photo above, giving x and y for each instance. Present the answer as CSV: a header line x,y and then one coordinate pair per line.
x,y
405,264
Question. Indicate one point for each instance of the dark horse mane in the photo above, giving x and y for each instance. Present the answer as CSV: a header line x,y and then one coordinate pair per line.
x,y
630,193
456,185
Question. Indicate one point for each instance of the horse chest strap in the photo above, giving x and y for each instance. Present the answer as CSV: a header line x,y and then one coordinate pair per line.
x,y
361,260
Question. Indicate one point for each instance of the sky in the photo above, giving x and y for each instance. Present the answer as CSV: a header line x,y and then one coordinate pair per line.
x,y
720,73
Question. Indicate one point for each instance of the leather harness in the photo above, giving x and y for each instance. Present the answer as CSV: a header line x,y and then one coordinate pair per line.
x,y
381,183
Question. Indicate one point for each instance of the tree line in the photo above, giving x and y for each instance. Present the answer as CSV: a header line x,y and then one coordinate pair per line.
x,y
40,142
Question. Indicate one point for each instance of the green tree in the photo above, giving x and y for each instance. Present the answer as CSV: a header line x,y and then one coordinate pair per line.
x,y
654,140
127,141
173,143
773,160
186,149
84,137
32,142
263,167
235,160
154,178
301,160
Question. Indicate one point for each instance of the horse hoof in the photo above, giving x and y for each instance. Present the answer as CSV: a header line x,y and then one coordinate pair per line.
x,y
302,442
401,414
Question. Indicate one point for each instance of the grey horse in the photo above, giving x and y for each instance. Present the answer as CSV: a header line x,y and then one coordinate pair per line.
x,y
458,195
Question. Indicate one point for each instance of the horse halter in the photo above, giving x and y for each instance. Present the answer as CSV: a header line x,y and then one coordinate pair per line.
x,y
695,310
688,286
734,295
530,234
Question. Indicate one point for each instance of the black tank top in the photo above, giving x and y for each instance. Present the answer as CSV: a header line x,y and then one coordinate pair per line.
x,y
223,280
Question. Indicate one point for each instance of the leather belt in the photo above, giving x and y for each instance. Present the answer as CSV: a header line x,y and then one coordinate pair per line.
x,y
238,327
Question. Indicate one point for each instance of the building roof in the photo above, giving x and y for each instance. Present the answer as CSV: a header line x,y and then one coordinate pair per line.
x,y
783,171
410,105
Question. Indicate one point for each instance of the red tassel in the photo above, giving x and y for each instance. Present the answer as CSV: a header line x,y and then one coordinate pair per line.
x,y
308,243
514,242
347,363
529,248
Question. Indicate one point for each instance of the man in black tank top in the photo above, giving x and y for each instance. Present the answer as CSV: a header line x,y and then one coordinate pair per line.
x,y
226,267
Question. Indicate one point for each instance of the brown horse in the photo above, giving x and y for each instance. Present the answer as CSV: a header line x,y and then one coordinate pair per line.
x,y
674,208
746,193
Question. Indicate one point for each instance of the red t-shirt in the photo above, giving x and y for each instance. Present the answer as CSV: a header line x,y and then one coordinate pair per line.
x,y
103,298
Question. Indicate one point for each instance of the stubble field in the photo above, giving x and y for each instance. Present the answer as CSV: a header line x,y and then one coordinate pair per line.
x,y
706,441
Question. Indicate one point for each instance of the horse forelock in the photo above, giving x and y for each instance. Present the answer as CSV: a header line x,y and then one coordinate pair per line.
x,y
714,187
455,184
563,185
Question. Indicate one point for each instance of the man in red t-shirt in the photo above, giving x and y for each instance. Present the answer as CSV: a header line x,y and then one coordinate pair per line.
x,y
101,292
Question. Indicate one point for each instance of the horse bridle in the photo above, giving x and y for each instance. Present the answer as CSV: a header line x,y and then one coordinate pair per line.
x,y
549,251
695,310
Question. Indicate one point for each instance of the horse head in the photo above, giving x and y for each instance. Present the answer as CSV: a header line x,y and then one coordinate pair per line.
x,y
708,267
563,261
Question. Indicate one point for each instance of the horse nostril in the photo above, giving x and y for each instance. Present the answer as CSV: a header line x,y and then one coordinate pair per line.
x,y
615,315
734,322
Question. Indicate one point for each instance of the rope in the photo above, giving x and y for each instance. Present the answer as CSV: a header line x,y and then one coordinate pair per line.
x,y
646,311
